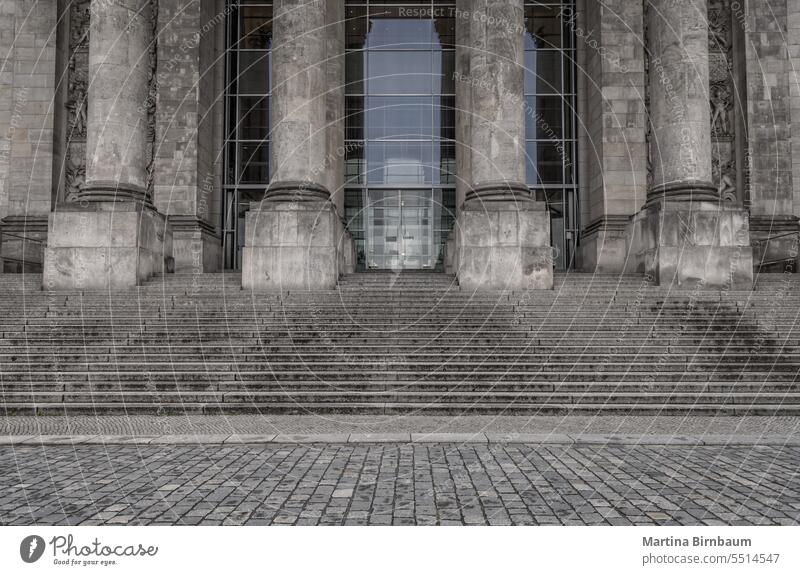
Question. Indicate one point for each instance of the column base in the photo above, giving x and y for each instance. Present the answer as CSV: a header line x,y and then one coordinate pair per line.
x,y
504,245
693,244
22,243
196,245
294,246
105,245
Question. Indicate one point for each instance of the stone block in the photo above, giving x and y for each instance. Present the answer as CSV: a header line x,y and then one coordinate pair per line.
x,y
102,246
504,246
294,245
693,244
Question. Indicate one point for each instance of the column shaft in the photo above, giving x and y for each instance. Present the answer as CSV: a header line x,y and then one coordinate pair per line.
x,y
679,109
299,101
117,126
496,75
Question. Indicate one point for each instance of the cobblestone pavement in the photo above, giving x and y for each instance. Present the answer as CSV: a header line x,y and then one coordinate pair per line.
x,y
400,483
332,423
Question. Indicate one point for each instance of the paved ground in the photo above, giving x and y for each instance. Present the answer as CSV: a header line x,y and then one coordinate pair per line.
x,y
400,483
316,424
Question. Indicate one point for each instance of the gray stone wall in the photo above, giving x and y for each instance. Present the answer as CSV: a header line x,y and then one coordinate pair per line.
x,y
614,151
793,21
773,218
27,88
7,11
186,183
769,122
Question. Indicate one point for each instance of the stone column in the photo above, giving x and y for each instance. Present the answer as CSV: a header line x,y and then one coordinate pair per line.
x,y
685,236
112,237
291,239
679,111
121,35
503,235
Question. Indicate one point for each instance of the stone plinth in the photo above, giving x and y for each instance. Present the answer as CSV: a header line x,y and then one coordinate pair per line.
x,y
775,241
292,246
504,245
689,244
195,244
105,246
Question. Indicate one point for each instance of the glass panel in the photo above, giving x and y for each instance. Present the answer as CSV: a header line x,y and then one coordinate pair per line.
x,y
354,165
393,27
447,164
354,118
400,73
355,27
354,72
253,118
383,229
543,117
545,162
444,64
256,28
254,163
444,27
543,25
253,73
444,119
399,163
543,72
399,118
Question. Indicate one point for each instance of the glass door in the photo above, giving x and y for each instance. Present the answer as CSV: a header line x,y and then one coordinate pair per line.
x,y
399,232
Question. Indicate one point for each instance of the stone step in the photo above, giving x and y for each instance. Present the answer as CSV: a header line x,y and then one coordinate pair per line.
x,y
431,408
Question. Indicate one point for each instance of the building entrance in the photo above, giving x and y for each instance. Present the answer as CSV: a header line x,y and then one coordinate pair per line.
x,y
399,230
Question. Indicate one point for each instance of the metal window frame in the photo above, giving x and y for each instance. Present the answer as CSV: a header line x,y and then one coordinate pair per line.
x,y
231,190
569,188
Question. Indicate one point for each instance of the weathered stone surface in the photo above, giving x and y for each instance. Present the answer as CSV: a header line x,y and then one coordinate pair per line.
x,y
186,179
105,246
119,68
27,91
505,245
679,110
612,146
292,245
692,244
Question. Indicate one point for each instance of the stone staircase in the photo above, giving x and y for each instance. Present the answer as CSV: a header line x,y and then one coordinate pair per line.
x,y
391,343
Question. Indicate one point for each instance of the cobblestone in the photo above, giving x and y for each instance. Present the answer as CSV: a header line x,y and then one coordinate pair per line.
x,y
309,424
399,484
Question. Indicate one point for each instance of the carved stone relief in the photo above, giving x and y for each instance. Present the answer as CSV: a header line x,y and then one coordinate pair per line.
x,y
76,104
722,99
152,95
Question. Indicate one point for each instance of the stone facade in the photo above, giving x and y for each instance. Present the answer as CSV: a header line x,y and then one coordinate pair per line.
x,y
685,139
27,85
614,151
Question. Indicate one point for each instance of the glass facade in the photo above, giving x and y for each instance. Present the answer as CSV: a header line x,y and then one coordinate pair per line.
x,y
550,119
400,126
247,89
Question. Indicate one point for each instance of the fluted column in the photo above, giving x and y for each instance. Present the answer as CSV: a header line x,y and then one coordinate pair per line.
x,y
112,237
295,239
118,94
679,110
502,235
298,101
496,76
